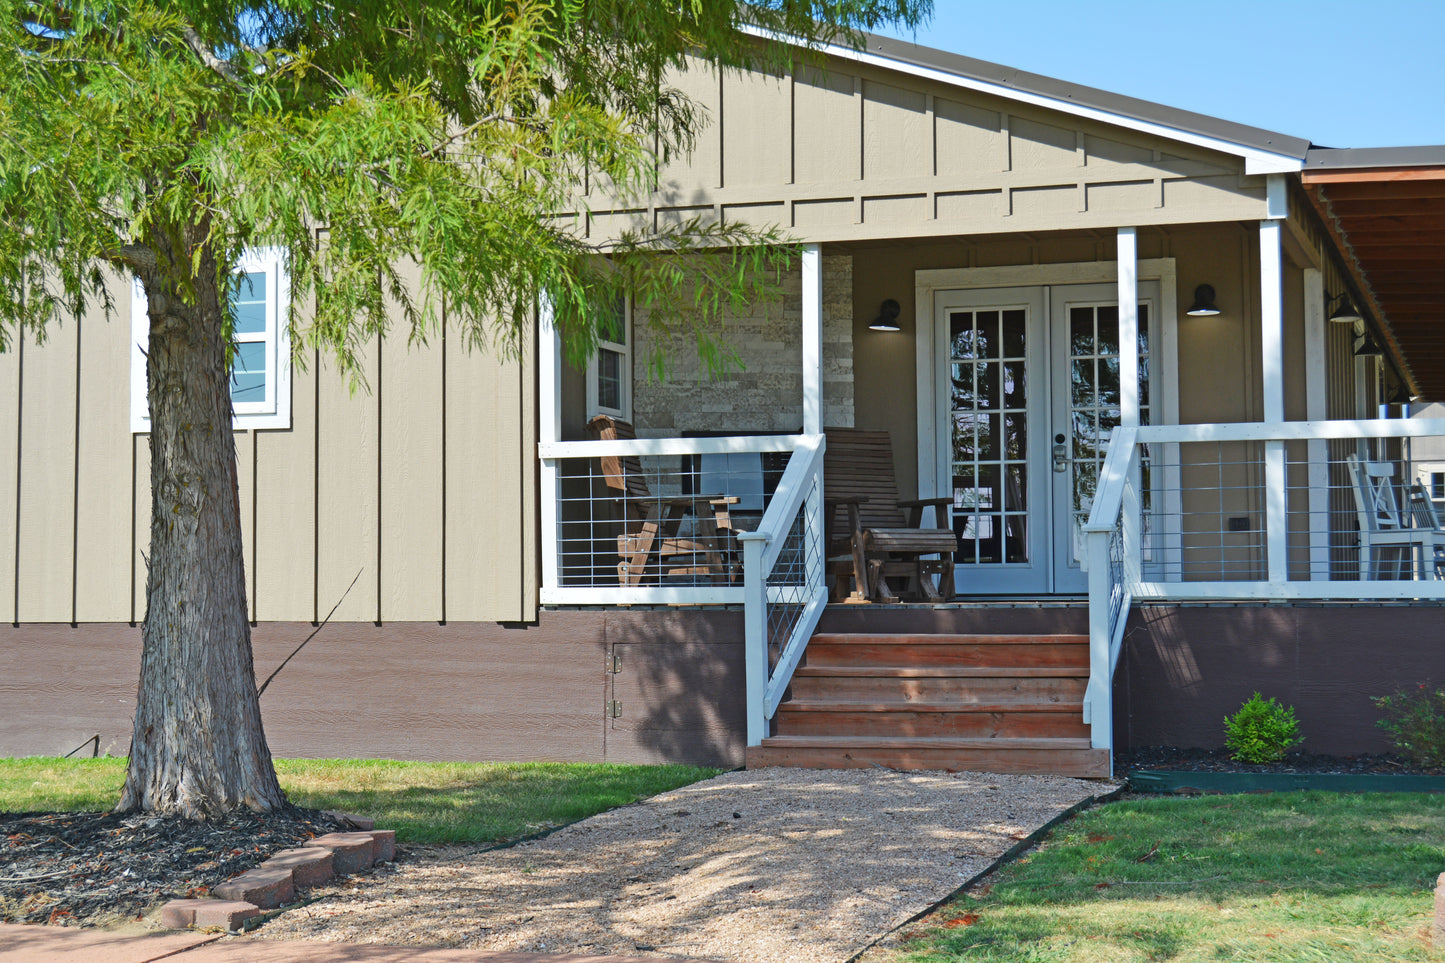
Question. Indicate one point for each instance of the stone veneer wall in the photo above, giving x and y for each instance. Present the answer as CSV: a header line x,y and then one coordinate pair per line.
x,y
767,394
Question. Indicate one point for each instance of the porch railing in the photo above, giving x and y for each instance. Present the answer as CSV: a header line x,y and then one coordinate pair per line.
x,y
695,521
785,585
1258,511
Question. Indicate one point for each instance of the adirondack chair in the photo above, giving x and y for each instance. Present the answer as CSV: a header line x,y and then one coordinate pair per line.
x,y
1424,518
873,535
1382,527
650,545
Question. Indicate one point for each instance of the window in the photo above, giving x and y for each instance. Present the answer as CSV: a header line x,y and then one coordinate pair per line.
x,y
609,374
260,365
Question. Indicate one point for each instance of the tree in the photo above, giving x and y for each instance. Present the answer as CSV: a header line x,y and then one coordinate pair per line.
x,y
163,139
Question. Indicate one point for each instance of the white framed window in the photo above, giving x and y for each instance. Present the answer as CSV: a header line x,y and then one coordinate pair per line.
x,y
609,373
261,361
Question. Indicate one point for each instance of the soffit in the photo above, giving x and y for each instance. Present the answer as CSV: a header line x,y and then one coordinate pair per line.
x,y
1386,207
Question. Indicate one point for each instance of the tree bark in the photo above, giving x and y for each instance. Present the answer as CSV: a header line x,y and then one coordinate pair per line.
x,y
198,748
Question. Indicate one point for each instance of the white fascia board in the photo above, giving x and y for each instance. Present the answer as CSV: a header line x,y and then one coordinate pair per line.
x,y
1256,161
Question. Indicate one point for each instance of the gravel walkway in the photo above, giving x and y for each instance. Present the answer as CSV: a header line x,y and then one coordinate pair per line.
x,y
765,865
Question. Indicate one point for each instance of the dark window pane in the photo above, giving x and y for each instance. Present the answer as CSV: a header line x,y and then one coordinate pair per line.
x,y
1014,385
1082,382
609,379
1013,334
988,396
961,336
988,339
1081,330
1017,428
1108,330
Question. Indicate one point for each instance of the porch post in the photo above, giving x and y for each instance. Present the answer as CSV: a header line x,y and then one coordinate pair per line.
x,y
812,340
549,429
1317,409
1271,319
1128,327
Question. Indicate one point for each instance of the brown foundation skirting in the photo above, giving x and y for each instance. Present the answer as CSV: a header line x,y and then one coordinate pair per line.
x,y
1184,668
548,691
461,691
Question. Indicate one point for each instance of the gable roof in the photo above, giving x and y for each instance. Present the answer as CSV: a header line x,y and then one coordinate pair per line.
x,y
1264,151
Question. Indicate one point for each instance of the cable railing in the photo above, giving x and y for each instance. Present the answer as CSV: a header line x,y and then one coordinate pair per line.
x,y
1342,510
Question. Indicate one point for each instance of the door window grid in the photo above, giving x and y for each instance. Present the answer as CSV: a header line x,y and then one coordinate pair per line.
x,y
1094,401
989,374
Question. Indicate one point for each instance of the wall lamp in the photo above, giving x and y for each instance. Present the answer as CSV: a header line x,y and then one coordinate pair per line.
x,y
1369,348
1345,313
887,319
1203,302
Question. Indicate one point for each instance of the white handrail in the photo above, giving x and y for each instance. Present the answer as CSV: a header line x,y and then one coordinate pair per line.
x,y
729,445
788,497
1292,430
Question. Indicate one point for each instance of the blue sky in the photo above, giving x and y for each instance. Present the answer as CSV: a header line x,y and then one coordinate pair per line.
x,y
1367,73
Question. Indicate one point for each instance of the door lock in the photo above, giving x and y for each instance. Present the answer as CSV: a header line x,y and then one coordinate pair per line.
x,y
1061,454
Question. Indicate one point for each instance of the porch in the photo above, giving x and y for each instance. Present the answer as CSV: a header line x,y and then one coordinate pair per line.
x,y
1162,513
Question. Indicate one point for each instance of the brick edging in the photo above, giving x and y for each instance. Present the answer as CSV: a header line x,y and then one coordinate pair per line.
x,y
273,883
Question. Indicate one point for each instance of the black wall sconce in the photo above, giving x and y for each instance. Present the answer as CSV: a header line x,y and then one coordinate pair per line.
x,y
1203,302
1345,313
887,319
1369,348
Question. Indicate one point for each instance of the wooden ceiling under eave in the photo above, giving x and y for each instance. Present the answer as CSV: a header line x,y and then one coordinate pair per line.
x,y
1392,222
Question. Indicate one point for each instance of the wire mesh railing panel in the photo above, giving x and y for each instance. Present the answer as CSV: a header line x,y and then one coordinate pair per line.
x,y
798,574
642,521
1353,509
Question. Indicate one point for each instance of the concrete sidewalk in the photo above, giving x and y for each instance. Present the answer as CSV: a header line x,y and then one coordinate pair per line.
x,y
62,944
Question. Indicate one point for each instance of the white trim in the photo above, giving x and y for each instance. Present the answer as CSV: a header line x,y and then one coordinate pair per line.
x,y
1316,409
1347,591
1271,318
623,349
1276,198
272,412
728,445
549,431
1128,275
812,269
1256,161
1293,430
643,595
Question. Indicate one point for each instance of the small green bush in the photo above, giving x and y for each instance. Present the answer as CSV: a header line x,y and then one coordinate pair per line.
x,y
1415,718
1261,731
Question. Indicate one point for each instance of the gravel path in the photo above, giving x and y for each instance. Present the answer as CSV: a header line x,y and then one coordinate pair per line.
x,y
764,865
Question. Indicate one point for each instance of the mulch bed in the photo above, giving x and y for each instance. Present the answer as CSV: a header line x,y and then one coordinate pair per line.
x,y
105,869
1217,760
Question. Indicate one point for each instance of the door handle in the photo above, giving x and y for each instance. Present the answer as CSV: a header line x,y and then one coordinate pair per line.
x,y
1061,454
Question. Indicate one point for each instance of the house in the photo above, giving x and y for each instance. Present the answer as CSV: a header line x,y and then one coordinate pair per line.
x,y
1181,511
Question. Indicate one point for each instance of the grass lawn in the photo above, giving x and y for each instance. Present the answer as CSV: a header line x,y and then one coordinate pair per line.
x,y
425,802
1284,877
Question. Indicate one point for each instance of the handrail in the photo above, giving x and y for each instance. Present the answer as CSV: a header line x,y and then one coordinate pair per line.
x,y
1292,430
727,445
799,488
1109,492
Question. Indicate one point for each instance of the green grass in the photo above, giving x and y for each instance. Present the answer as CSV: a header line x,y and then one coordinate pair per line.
x,y
1284,877
425,802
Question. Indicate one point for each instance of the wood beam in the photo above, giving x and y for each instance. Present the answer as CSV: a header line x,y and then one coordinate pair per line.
x,y
1374,175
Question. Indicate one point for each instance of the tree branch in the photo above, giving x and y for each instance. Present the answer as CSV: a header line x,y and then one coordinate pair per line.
x,y
194,41
138,257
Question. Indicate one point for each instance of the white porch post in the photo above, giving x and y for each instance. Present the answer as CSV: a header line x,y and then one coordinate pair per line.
x,y
1271,319
1128,327
549,429
812,340
1317,409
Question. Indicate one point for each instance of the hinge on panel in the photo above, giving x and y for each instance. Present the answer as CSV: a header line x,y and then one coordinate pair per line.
x,y
614,664
614,709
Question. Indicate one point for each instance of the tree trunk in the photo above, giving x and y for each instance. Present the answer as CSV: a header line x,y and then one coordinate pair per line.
x,y
198,749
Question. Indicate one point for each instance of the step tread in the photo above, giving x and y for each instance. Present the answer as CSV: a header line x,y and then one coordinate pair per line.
x,y
940,672
925,742
826,705
914,638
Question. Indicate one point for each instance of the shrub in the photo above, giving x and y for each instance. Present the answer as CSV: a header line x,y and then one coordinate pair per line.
x,y
1261,731
1415,718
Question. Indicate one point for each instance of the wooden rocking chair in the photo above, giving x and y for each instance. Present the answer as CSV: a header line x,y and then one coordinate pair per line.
x,y
870,536
649,544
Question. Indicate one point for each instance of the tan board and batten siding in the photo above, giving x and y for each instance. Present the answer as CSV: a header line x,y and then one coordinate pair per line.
x,y
858,152
422,490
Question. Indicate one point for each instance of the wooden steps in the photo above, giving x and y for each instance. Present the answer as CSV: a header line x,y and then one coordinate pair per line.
x,y
991,702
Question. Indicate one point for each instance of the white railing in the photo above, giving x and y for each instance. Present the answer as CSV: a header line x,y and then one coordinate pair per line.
x,y
785,585
654,521
1259,511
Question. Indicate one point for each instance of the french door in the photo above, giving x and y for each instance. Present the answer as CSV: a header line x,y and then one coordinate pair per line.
x,y
1031,396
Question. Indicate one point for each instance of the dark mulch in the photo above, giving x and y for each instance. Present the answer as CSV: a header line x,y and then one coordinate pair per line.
x,y
1217,760
102,869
